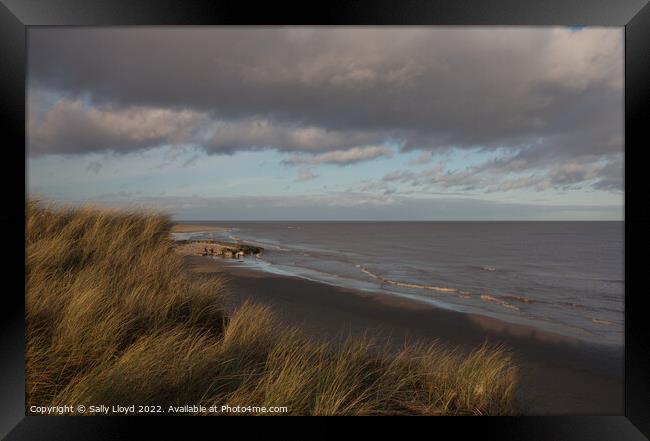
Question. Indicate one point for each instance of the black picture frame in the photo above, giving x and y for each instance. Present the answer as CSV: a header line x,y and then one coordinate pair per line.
x,y
16,16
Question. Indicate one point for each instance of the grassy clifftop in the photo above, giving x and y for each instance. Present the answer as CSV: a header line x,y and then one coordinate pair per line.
x,y
113,319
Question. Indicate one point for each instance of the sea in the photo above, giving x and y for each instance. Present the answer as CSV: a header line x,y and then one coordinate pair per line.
x,y
563,277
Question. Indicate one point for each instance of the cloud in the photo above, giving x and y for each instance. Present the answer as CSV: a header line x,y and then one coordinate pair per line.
x,y
322,89
424,158
398,175
611,176
71,127
306,175
250,133
343,157
511,173
94,167
549,101
375,187
191,160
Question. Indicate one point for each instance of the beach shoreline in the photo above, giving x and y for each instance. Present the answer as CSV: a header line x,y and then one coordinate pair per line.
x,y
558,375
556,289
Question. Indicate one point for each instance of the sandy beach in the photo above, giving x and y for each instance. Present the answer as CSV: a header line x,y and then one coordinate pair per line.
x,y
557,375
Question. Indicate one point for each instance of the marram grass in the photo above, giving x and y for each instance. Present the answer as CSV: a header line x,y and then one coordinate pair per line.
x,y
113,319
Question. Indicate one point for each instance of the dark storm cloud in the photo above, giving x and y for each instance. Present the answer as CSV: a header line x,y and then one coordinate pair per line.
x,y
71,127
544,94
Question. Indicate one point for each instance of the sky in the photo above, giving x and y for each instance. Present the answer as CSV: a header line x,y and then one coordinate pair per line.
x,y
330,123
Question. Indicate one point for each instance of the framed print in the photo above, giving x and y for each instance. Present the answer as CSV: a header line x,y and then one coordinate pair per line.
x,y
356,209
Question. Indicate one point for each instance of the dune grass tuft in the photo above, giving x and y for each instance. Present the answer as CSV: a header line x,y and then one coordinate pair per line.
x,y
113,319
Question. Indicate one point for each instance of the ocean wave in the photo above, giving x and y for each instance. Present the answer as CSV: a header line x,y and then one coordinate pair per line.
x,y
519,299
455,291
368,272
489,298
601,321
484,268
409,285
272,246
573,305
504,301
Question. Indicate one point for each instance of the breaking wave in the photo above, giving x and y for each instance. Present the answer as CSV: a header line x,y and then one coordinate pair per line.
x,y
505,304
504,301
409,285
519,299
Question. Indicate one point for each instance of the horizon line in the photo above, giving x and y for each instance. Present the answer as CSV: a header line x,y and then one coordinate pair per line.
x,y
397,220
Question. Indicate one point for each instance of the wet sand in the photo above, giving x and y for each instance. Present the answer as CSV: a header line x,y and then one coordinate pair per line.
x,y
558,375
